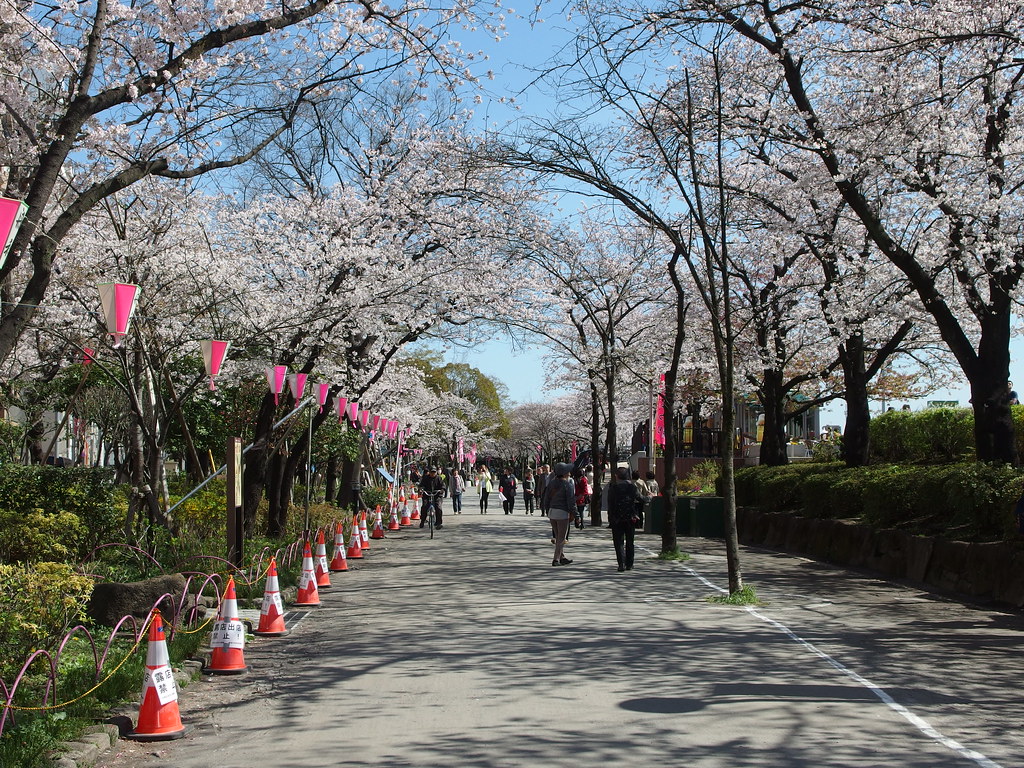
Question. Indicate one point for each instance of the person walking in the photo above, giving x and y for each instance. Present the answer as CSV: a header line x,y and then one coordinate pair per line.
x,y
623,510
652,484
483,482
560,501
528,490
582,496
455,488
507,486
543,475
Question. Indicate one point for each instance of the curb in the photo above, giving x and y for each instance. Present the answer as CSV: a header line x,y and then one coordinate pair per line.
x,y
97,739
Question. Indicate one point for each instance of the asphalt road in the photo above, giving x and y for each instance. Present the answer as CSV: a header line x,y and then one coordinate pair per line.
x,y
472,650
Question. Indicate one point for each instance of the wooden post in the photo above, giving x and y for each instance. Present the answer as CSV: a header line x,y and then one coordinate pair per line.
x,y
236,533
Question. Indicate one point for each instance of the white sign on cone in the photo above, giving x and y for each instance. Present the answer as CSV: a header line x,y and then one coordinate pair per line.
x,y
272,600
161,679
228,633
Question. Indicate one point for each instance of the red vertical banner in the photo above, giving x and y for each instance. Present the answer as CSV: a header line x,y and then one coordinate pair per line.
x,y
659,418
574,448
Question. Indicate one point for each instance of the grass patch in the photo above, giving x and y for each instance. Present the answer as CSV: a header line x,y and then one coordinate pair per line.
x,y
674,554
746,596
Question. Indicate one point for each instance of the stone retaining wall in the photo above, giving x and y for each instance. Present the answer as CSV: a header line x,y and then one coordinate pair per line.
x,y
989,571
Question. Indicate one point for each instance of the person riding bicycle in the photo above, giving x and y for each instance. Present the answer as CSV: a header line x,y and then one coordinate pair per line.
x,y
432,488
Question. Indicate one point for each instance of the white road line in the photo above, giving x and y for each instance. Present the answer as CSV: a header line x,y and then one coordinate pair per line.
x,y
918,722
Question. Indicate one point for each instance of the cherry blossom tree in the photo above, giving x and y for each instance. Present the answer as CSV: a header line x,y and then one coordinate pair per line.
x,y
913,114
593,293
96,96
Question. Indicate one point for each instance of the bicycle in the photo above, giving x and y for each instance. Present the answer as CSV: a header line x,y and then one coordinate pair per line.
x,y
428,510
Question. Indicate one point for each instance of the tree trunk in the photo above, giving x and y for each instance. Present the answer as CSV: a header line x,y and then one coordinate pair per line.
x,y
330,478
277,513
669,537
857,433
993,420
595,456
348,477
256,463
773,400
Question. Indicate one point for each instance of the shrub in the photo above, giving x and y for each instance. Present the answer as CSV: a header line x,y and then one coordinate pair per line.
x,y
203,516
931,435
41,603
372,496
970,501
76,506
701,479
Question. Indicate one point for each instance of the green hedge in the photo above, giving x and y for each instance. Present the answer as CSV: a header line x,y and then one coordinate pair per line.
x,y
966,501
55,513
932,435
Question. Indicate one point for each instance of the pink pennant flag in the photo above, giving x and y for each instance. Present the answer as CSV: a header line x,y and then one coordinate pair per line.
x,y
323,389
659,419
118,301
375,419
574,449
214,353
353,412
364,418
12,213
340,404
275,379
297,384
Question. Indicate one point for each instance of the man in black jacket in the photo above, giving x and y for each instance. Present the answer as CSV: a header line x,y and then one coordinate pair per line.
x,y
432,488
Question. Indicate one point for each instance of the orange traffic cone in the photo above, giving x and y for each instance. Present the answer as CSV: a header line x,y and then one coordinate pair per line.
x,y
272,612
320,567
228,637
355,544
378,526
308,593
364,534
406,520
415,506
159,719
393,519
339,562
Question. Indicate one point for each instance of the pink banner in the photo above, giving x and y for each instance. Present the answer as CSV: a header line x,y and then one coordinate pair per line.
x,y
341,404
573,450
659,419
275,379
323,389
118,301
12,213
353,412
364,418
214,353
297,384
